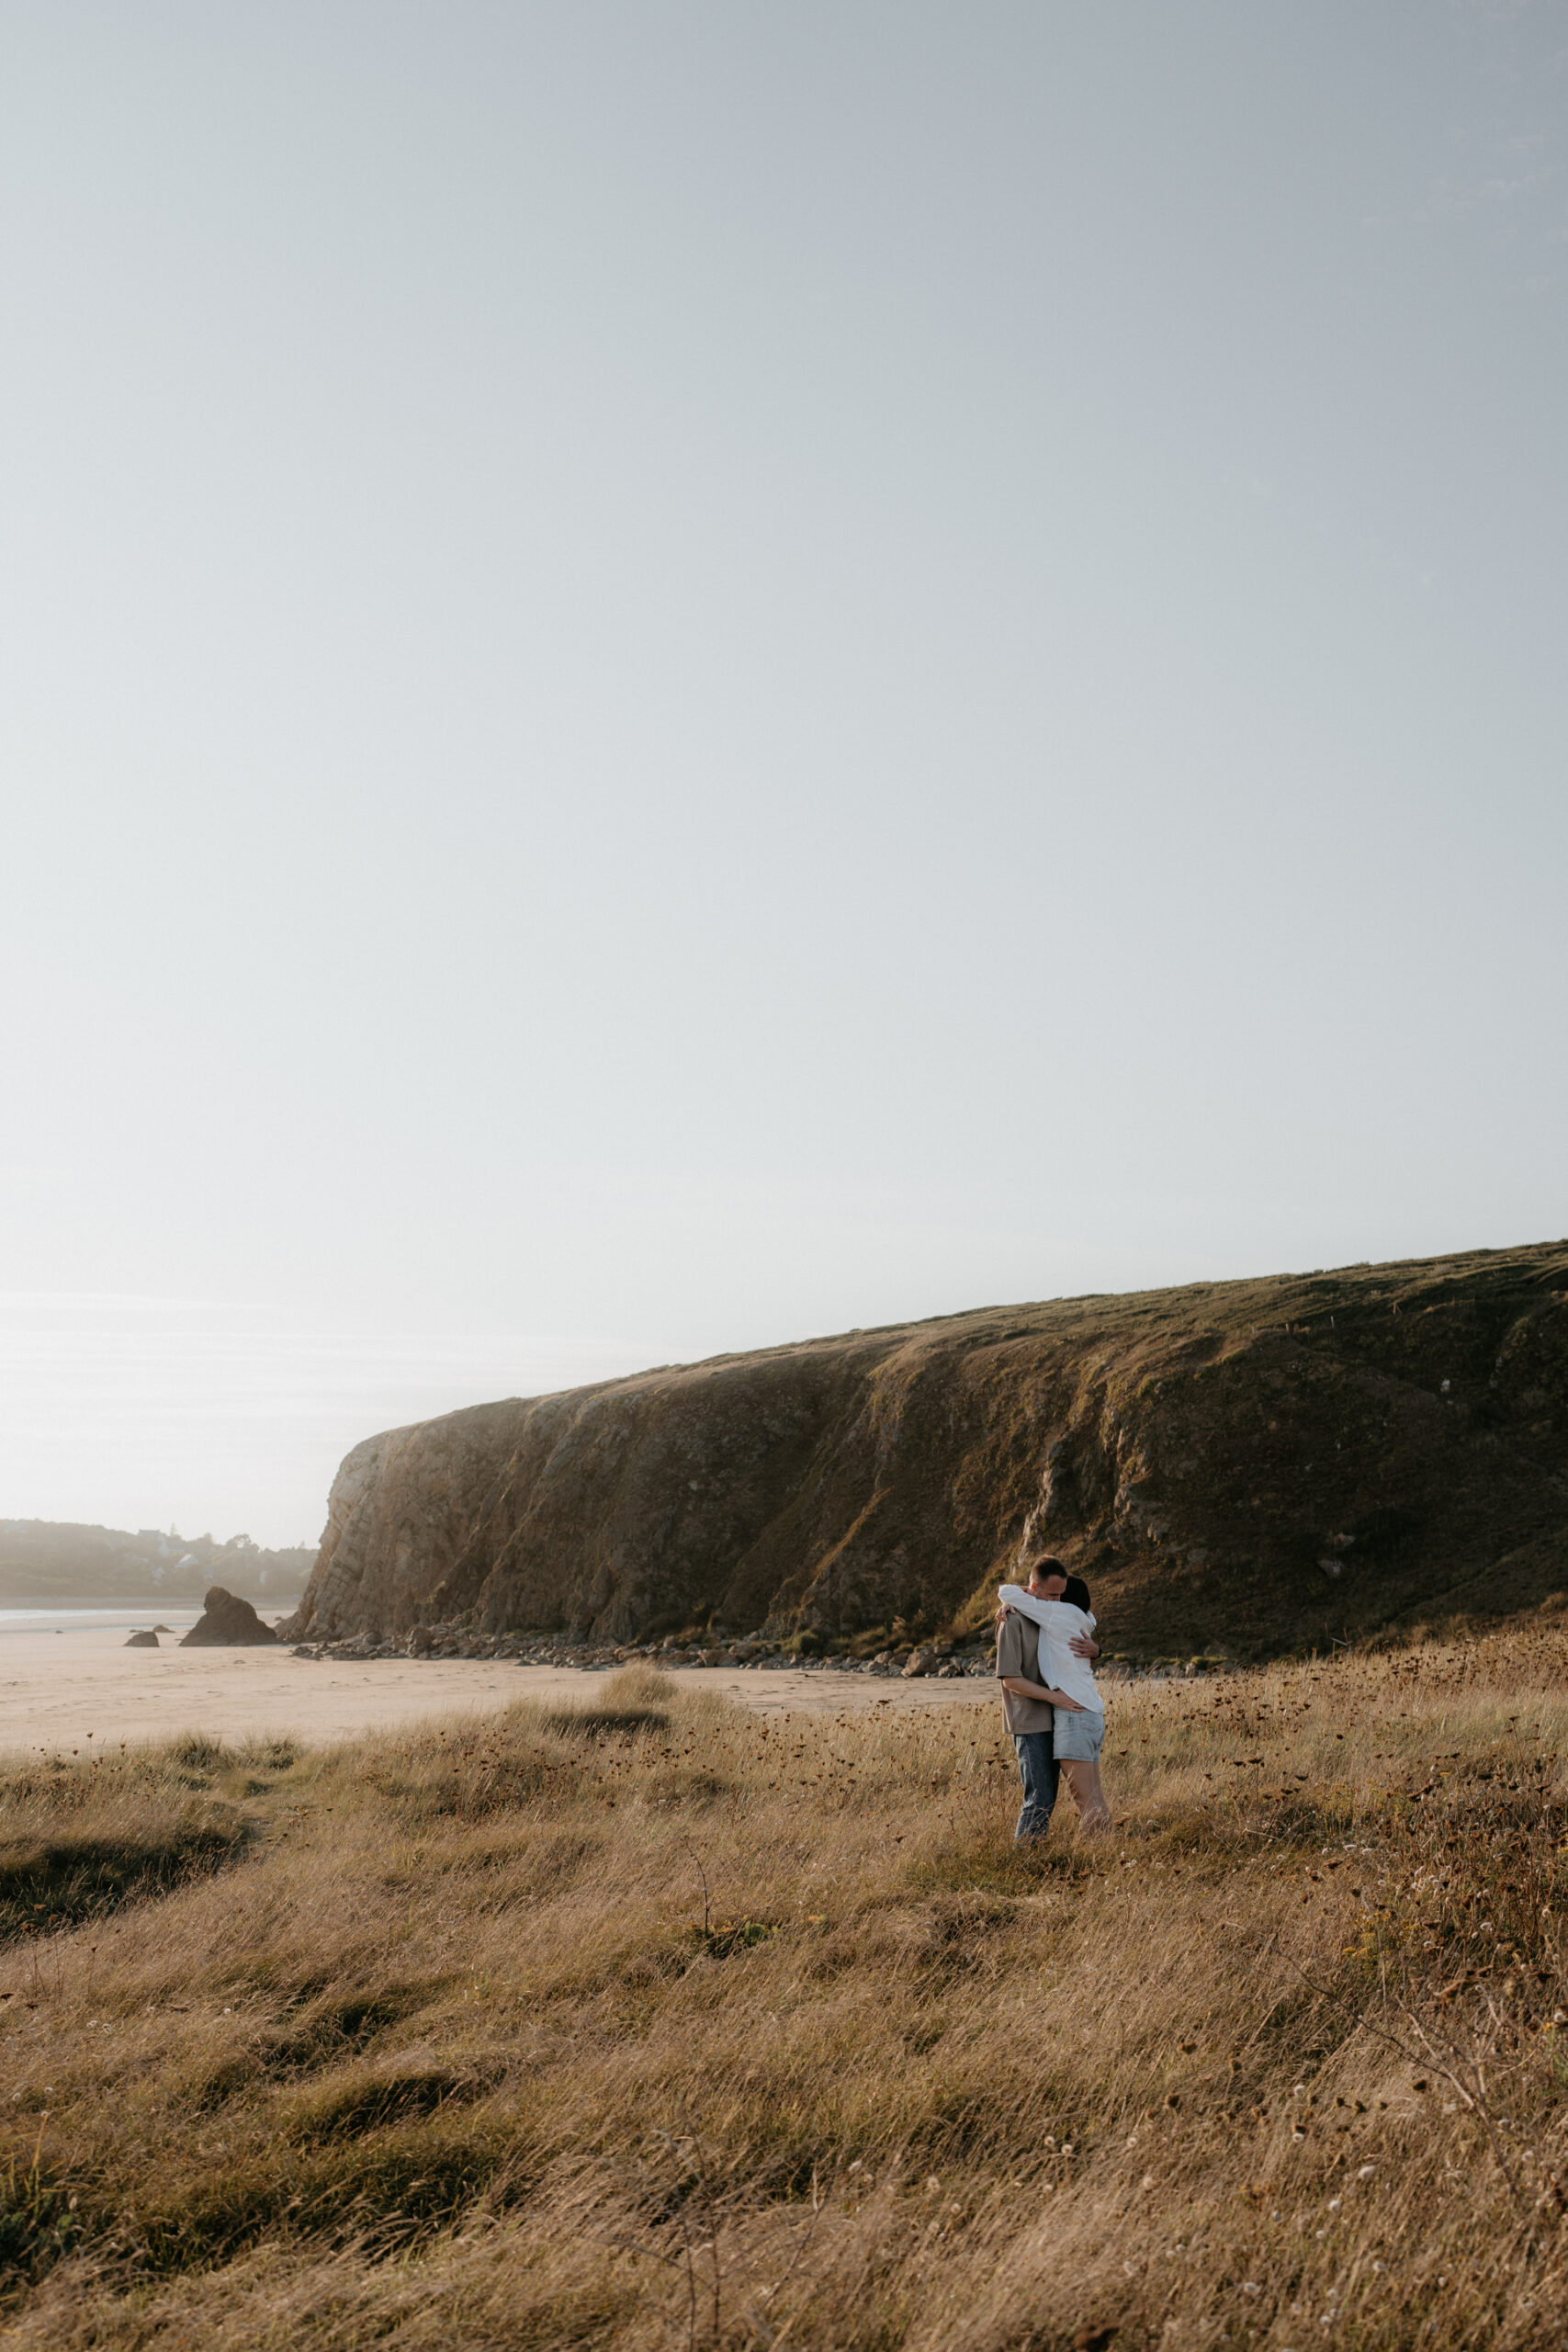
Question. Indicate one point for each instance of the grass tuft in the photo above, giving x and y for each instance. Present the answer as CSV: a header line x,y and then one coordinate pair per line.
x,y
51,1882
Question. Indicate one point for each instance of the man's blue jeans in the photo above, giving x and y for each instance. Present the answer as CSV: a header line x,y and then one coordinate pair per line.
x,y
1037,1771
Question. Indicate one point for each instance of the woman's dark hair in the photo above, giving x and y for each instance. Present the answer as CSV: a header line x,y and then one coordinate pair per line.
x,y
1077,1593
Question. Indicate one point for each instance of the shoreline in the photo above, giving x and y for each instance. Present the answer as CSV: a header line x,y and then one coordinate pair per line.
x,y
84,1684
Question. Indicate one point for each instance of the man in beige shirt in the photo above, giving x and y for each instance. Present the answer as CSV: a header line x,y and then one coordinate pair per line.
x,y
1028,1705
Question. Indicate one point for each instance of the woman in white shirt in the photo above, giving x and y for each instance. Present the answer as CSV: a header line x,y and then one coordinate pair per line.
x,y
1061,1611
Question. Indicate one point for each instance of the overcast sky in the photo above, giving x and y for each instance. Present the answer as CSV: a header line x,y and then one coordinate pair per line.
x,y
676,676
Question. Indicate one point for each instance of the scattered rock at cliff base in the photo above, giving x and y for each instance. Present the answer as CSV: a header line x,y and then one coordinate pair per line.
x,y
226,1623
142,1642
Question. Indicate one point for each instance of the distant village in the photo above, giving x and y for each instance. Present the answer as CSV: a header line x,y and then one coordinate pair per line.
x,y
51,1564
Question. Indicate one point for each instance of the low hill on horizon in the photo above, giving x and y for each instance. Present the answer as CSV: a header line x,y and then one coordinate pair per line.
x,y
50,1563
1246,1466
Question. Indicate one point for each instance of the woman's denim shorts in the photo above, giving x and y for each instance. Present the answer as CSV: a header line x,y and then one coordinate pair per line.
x,y
1078,1737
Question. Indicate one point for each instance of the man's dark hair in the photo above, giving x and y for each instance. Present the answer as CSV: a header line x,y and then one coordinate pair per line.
x,y
1077,1593
1046,1568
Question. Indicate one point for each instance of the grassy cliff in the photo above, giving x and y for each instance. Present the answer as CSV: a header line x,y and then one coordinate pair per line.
x,y
1246,1466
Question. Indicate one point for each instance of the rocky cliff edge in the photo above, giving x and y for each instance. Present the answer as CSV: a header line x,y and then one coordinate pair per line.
x,y
1246,1466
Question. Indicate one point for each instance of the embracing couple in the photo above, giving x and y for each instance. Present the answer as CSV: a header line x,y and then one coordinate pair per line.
x,y
1044,1644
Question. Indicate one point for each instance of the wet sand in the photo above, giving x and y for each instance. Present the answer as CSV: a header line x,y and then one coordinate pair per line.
x,y
56,1689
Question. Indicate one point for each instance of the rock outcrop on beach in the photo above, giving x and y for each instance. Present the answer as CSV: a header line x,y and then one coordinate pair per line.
x,y
1239,1466
226,1623
142,1642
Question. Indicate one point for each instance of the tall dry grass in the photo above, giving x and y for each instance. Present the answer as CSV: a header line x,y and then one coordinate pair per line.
x,y
664,2025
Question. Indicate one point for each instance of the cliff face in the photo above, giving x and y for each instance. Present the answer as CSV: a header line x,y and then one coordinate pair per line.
x,y
1240,1465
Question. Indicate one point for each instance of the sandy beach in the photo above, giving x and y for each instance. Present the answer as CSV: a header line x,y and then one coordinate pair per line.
x,y
56,1690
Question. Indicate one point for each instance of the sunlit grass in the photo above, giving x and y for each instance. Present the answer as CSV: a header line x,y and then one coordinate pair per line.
x,y
671,2023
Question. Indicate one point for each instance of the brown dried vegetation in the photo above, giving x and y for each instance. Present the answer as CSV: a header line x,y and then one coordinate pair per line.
x,y
679,2027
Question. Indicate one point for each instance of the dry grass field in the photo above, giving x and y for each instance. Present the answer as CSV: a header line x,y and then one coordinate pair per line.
x,y
663,2025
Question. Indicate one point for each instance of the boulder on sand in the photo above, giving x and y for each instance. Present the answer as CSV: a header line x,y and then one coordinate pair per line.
x,y
142,1642
226,1623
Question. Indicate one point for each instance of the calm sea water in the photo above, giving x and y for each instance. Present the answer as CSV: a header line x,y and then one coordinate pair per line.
x,y
113,1618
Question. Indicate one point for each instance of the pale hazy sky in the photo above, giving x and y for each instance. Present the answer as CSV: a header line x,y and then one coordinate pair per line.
x,y
675,676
